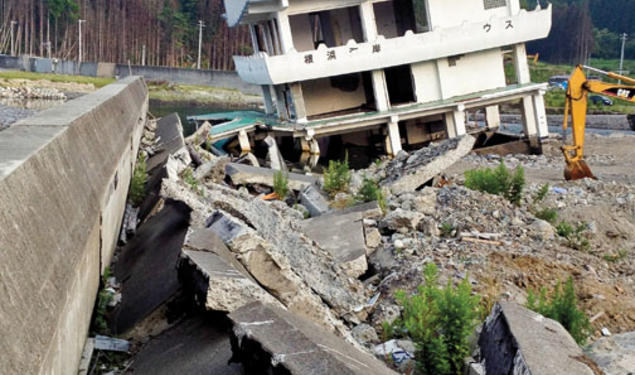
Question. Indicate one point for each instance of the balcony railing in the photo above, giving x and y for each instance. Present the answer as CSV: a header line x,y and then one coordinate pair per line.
x,y
262,69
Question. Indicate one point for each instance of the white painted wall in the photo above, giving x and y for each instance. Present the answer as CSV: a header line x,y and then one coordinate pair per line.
x,y
426,82
445,13
474,72
320,97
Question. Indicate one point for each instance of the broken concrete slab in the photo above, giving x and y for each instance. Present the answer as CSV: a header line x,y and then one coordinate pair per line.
x,y
276,161
373,239
169,131
272,230
244,175
369,210
213,169
314,201
615,354
400,220
177,162
216,276
408,173
195,345
269,339
147,265
519,341
342,235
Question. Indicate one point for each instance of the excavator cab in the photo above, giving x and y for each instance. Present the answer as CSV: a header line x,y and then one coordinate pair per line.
x,y
576,104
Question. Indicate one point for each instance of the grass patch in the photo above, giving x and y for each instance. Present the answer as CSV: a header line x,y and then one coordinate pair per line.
x,y
574,235
562,306
439,321
547,214
138,182
614,258
370,191
337,177
104,298
98,82
281,184
446,229
188,178
541,194
499,181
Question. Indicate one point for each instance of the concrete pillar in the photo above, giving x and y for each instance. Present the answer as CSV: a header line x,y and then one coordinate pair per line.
x,y
281,103
243,140
381,90
513,7
268,100
530,124
298,102
541,115
254,38
284,28
492,117
369,25
393,139
521,64
455,122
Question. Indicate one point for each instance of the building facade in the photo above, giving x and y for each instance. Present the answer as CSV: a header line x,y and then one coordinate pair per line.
x,y
405,69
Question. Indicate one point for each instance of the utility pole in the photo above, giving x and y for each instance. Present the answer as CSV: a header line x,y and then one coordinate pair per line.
x,y
13,23
143,55
201,25
623,37
80,40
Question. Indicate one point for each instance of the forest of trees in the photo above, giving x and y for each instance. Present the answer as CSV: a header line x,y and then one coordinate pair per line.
x,y
587,28
120,30
167,30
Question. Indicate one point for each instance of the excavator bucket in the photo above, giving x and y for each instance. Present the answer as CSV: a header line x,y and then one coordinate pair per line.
x,y
577,170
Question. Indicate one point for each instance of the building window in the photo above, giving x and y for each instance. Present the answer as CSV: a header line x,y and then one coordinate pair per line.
x,y
491,4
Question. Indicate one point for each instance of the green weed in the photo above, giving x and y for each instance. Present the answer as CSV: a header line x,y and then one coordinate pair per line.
x,y
574,234
281,184
138,182
614,258
547,214
337,177
370,191
499,181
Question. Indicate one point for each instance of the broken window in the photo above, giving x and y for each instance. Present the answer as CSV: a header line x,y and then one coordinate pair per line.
x,y
396,17
332,28
491,4
400,86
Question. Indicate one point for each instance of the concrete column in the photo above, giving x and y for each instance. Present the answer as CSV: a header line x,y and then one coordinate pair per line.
x,y
254,38
298,102
394,137
455,123
541,115
529,116
513,7
381,90
369,25
266,94
284,28
281,104
243,140
492,117
521,64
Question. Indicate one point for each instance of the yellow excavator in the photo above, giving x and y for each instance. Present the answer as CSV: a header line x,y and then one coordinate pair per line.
x,y
576,103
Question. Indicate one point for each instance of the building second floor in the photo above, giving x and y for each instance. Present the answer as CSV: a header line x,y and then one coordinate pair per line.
x,y
301,40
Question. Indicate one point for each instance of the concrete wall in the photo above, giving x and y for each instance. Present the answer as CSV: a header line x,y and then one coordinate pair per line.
x,y
64,177
321,97
222,79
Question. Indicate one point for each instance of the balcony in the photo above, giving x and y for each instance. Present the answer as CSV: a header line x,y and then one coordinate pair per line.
x,y
262,69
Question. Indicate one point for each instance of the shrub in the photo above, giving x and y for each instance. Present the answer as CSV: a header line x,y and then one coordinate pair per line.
x,y
138,182
104,297
574,235
542,193
337,177
499,181
547,214
188,177
440,322
281,184
370,191
446,229
621,254
562,306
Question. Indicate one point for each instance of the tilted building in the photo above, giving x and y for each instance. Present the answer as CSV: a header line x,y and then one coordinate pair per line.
x,y
404,70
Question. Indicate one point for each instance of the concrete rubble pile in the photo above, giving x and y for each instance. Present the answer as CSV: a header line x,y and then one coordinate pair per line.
x,y
24,93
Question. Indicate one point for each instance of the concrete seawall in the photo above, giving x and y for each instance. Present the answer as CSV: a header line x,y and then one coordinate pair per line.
x,y
64,177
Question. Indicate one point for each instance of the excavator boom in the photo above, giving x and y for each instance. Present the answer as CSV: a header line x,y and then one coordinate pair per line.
x,y
576,104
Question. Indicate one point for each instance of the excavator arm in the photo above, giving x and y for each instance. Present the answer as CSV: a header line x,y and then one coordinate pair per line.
x,y
576,104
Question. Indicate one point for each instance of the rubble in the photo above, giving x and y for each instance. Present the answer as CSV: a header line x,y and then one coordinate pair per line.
x,y
614,355
314,201
408,172
266,339
27,92
276,162
519,341
240,174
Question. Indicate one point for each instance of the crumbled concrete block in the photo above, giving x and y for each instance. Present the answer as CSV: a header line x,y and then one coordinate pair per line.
x,y
244,175
373,239
342,235
400,218
314,201
615,354
407,173
519,341
270,340
276,161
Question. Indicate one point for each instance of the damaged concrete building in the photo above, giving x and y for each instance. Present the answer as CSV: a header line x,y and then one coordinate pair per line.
x,y
395,74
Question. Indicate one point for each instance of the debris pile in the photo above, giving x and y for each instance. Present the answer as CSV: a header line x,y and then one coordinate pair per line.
x,y
28,92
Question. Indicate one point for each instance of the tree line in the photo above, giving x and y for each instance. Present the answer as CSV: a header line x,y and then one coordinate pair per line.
x,y
586,28
154,32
